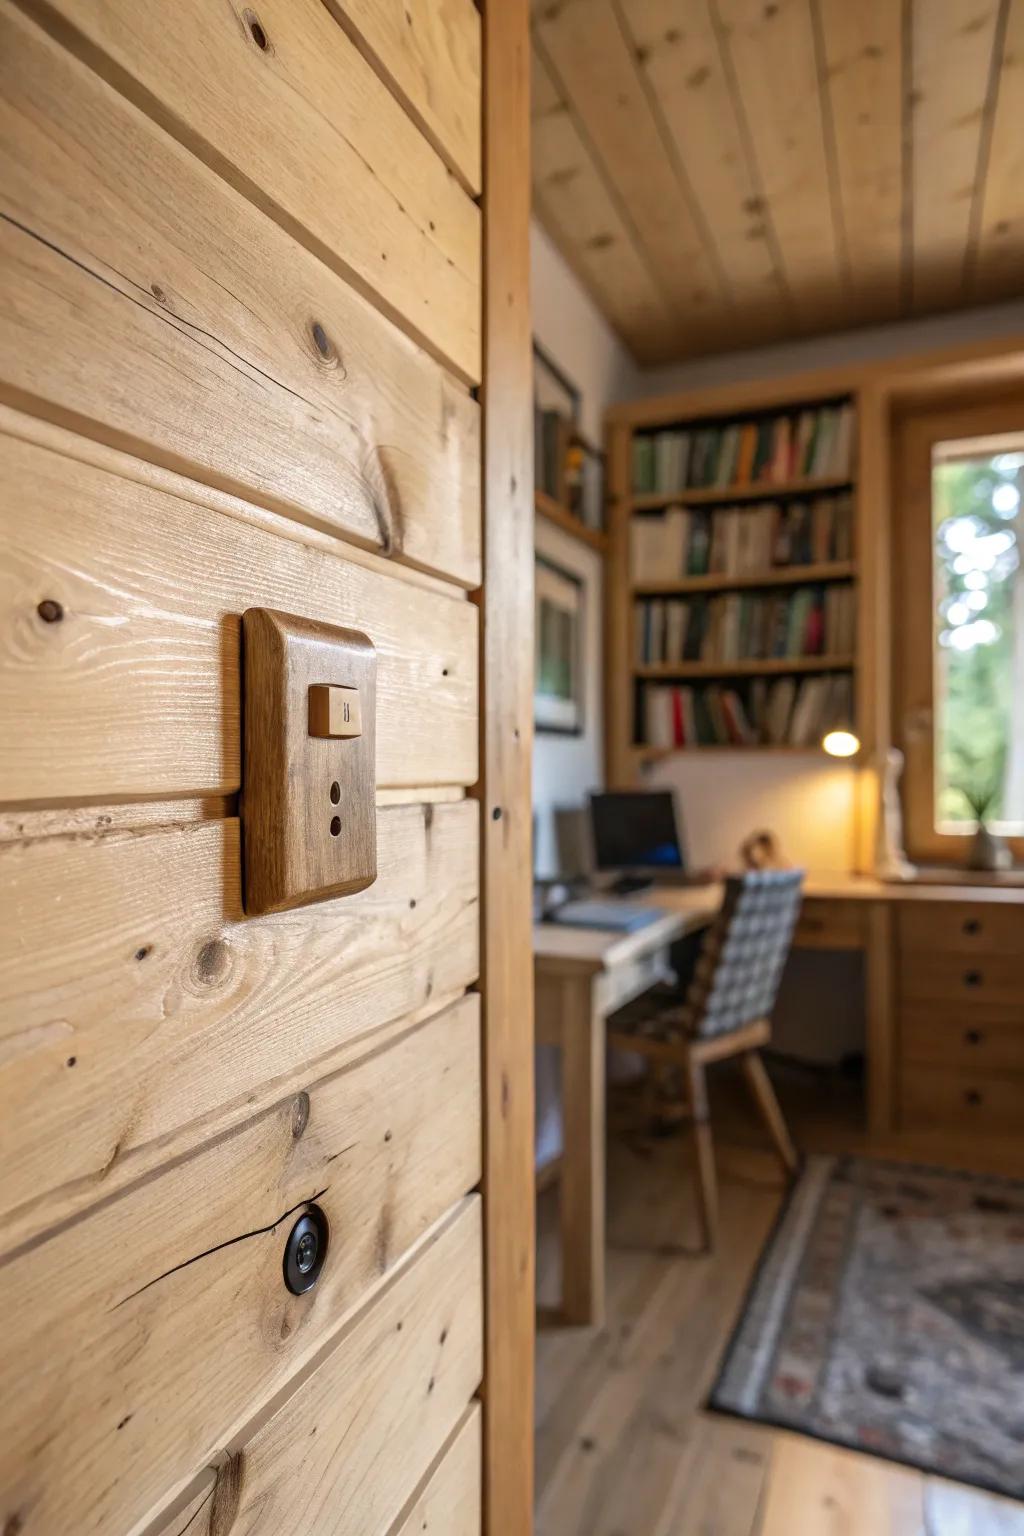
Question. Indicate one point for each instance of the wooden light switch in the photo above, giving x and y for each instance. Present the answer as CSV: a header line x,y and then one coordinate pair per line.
x,y
309,821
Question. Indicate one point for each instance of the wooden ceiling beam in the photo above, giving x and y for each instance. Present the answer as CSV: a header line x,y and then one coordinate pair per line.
x,y
996,264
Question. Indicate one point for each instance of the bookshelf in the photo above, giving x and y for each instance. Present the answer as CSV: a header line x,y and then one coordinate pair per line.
x,y
736,597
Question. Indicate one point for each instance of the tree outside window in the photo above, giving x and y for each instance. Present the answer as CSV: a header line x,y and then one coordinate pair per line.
x,y
978,524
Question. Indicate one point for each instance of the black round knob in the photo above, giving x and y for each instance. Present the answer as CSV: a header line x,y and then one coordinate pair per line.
x,y
305,1251
973,1036
972,978
972,1096
972,925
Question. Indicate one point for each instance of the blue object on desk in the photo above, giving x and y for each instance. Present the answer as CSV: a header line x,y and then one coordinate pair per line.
x,y
617,916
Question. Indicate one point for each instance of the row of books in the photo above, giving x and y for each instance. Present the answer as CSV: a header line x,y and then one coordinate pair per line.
x,y
747,626
782,712
740,541
814,442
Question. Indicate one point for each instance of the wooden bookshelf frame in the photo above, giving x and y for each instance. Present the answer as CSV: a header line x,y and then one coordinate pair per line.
x,y
625,760
882,392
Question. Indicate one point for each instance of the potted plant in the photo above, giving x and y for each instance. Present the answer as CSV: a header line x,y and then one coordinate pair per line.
x,y
988,851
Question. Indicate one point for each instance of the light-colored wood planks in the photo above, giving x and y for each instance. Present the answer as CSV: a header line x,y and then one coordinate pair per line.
x,y
165,1324
862,59
592,56
772,50
141,668
429,52
836,164
682,57
311,402
142,1013
451,1502
996,264
281,102
576,206
952,59
506,737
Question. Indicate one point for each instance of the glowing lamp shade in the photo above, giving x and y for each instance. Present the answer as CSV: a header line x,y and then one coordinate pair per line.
x,y
841,743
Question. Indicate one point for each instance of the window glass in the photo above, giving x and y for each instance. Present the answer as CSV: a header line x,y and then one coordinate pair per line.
x,y
978,528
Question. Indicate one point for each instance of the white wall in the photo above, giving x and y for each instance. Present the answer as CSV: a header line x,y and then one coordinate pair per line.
x,y
571,329
872,344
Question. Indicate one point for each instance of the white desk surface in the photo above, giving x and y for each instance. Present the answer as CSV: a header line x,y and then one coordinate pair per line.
x,y
688,907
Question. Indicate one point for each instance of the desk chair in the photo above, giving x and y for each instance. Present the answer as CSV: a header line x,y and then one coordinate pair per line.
x,y
725,1011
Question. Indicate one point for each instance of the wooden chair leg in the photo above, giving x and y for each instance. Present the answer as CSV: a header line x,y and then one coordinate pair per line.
x,y
768,1107
707,1181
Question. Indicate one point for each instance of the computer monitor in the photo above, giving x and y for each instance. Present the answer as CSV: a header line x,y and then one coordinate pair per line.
x,y
637,832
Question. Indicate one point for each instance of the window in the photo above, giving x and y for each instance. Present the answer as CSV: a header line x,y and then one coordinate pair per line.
x,y
958,625
978,616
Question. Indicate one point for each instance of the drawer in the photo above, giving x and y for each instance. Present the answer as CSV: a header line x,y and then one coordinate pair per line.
x,y
962,980
831,924
967,927
977,1039
943,1098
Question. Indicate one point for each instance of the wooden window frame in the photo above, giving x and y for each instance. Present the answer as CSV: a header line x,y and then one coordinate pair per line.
x,y
915,436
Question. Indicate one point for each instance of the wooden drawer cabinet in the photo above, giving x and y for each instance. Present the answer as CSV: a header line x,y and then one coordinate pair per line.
x,y
830,925
969,928
962,980
975,1039
949,1098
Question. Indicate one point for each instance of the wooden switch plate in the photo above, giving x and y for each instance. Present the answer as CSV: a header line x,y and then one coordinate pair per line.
x,y
309,818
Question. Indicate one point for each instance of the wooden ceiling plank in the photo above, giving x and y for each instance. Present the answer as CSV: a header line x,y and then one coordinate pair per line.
x,y
770,51
679,54
584,42
998,267
863,52
576,208
953,43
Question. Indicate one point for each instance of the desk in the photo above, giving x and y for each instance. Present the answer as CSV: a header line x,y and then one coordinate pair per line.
x,y
582,975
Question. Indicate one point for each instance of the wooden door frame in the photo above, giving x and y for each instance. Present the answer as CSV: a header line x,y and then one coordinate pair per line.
x,y
505,792
916,431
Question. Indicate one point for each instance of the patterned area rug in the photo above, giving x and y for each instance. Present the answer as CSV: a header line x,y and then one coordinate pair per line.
x,y
887,1315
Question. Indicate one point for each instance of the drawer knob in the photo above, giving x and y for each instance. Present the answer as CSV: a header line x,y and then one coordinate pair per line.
x,y
972,978
973,1036
305,1251
972,1096
972,925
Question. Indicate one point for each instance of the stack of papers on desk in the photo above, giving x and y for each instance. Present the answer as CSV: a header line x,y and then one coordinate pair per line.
x,y
617,916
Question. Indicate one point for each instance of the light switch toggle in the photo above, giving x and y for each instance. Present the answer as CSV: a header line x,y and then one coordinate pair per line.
x,y
334,711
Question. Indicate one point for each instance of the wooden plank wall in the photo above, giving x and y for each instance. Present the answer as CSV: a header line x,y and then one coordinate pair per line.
x,y
241,252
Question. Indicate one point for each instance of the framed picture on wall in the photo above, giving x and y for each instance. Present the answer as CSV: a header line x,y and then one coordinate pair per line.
x,y
558,688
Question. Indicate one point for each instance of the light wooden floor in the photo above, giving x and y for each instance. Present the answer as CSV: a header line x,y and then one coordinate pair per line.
x,y
622,1446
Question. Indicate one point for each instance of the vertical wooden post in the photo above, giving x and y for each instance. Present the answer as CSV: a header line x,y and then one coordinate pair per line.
x,y
618,621
505,790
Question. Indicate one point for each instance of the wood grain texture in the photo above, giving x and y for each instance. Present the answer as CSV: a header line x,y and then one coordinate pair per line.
x,y
996,263
772,53
143,1356
952,58
592,54
312,403
142,668
862,59
308,807
574,204
429,53
451,1503
304,127
141,1013
679,52
346,1451
506,727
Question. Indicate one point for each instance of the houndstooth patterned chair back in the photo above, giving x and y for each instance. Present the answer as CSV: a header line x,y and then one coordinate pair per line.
x,y
737,976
